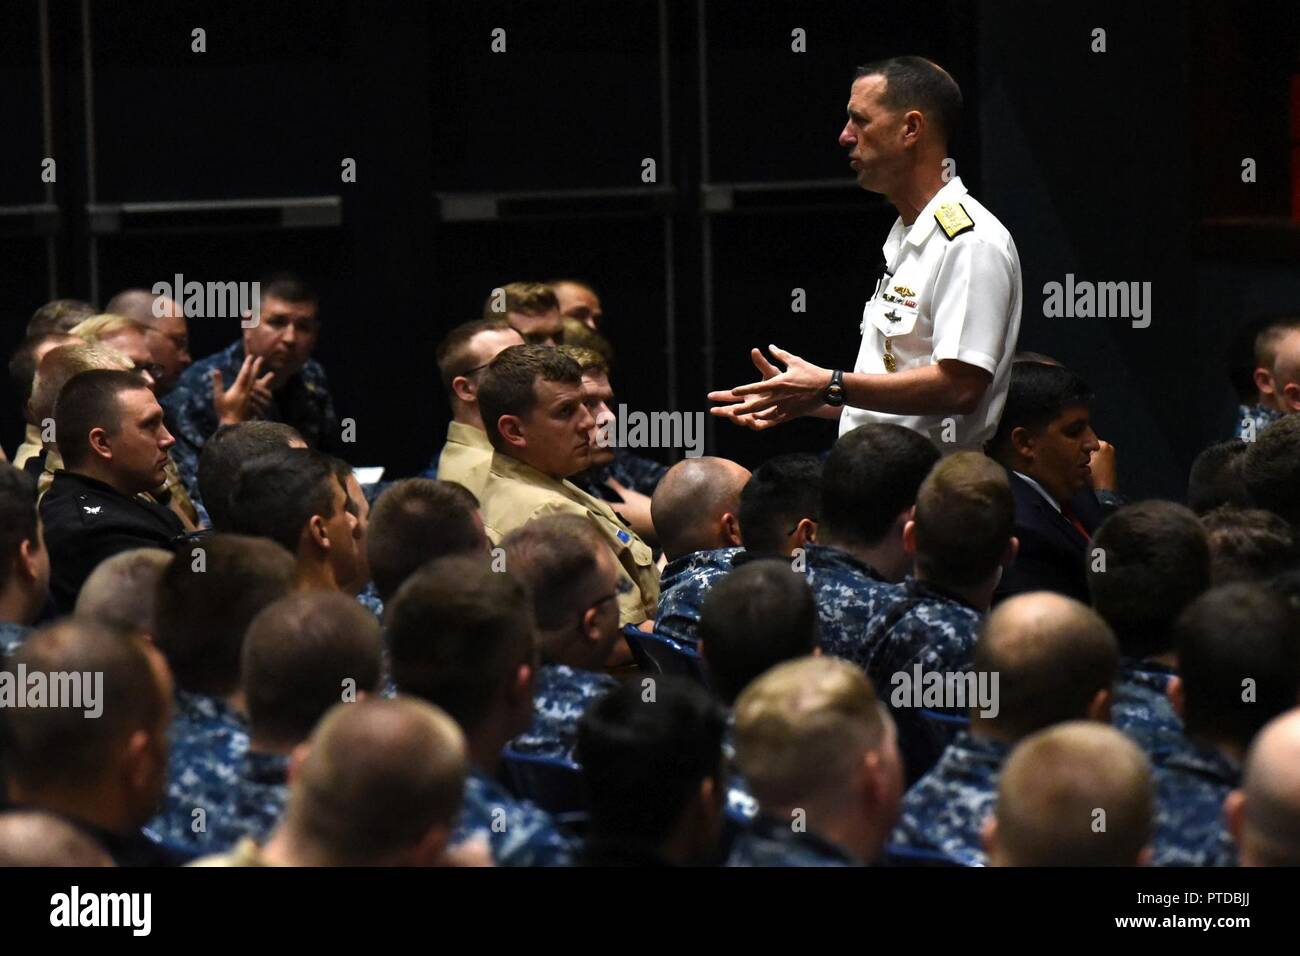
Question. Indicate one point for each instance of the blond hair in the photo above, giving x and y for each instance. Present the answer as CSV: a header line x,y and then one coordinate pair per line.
x,y
60,365
105,326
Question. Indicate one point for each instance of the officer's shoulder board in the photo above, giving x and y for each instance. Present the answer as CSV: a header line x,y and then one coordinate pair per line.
x,y
954,220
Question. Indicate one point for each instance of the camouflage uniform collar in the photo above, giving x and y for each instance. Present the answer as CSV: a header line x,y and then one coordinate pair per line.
x,y
718,557
979,749
780,831
1203,761
208,707
1151,674
827,556
926,589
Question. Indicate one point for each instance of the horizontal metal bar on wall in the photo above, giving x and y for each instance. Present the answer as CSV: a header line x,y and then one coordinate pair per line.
x,y
216,215
555,204
795,195
34,220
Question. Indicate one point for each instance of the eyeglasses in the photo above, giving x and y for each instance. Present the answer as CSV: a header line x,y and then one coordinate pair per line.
x,y
152,369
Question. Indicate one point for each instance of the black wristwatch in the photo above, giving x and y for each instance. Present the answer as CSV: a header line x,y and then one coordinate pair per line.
x,y
834,396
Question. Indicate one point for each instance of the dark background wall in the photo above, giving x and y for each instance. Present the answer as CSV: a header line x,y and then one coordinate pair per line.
x,y
476,168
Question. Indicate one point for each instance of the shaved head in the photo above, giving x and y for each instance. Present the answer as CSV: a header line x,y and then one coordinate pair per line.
x,y
138,304
1052,656
1264,815
1077,794
690,501
29,838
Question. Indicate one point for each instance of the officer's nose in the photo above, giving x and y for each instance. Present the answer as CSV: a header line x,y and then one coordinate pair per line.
x,y
846,136
165,439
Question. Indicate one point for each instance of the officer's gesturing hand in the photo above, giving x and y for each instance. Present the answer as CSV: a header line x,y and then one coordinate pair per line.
x,y
249,397
779,396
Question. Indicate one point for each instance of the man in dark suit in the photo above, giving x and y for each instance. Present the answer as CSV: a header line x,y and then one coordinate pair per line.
x,y
1046,442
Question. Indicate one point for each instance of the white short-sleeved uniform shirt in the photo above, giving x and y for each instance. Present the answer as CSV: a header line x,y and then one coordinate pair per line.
x,y
943,298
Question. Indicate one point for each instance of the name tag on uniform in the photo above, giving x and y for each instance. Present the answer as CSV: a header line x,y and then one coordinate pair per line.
x,y
891,318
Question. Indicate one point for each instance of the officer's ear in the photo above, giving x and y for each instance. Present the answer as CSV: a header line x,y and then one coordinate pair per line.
x,y
463,388
1099,706
913,126
1234,815
730,526
1175,694
99,443
317,533
1264,381
1022,440
1291,397
909,538
511,428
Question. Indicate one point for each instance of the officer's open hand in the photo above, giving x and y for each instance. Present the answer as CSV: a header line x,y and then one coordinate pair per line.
x,y
779,397
248,398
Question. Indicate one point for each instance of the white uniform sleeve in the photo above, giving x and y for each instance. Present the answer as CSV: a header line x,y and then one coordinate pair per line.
x,y
972,303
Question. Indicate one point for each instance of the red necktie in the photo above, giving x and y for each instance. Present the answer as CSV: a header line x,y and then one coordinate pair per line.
x,y
1073,518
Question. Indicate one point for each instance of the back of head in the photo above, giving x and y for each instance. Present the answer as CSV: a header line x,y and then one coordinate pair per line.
x,y
301,655
1216,480
871,477
379,776
1272,469
89,401
106,326
18,521
529,298
590,361
1239,662
1156,562
59,315
782,492
415,521
25,358
226,451
1248,544
557,559
1271,783
457,633
1037,395
576,333
964,516
31,838
207,597
1059,784
276,494
915,83
60,365
134,304
454,355
122,592
643,760
802,729
690,501
509,385
57,748
1051,654
756,617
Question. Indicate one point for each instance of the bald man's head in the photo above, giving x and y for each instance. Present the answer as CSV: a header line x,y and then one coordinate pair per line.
x,y
695,504
381,784
1055,660
30,838
1264,815
1077,794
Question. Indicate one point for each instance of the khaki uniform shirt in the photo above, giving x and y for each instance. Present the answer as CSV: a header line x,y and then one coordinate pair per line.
x,y
516,494
30,448
466,458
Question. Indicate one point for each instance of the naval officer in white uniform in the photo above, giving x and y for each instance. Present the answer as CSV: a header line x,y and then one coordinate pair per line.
x,y
939,332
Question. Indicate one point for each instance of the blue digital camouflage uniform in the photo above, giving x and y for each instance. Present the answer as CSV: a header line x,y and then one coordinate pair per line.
x,y
303,402
1260,416
248,804
209,739
847,592
369,599
682,587
741,805
945,810
914,624
770,842
562,695
1189,830
12,636
631,471
1141,708
519,832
